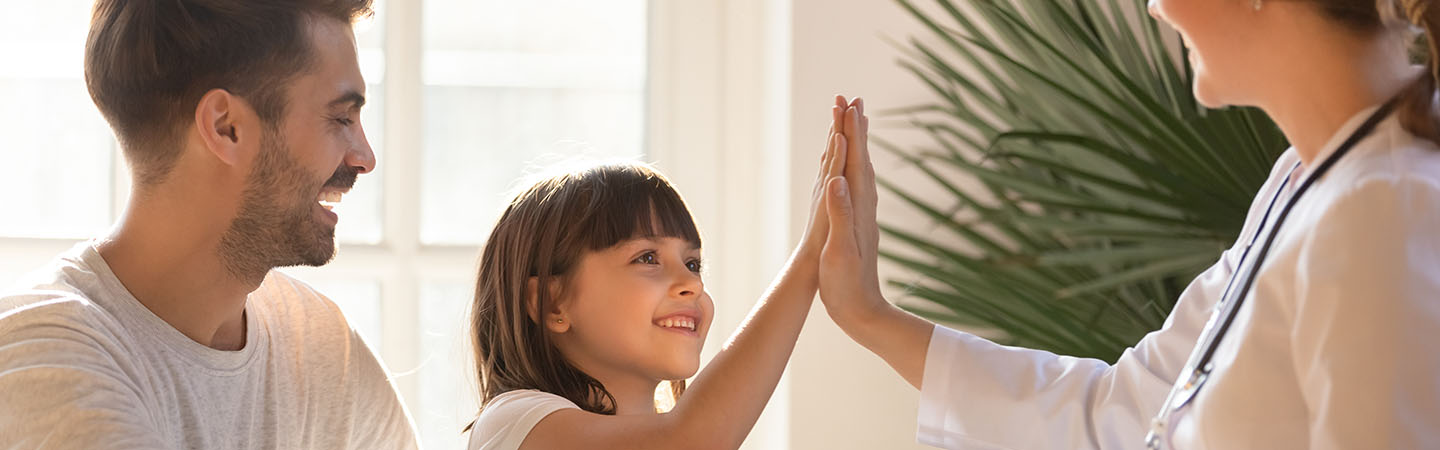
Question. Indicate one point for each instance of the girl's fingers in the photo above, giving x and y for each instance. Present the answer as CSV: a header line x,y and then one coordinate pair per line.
x,y
837,157
827,160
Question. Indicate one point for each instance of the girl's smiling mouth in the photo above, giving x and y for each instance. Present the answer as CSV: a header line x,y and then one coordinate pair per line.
x,y
684,323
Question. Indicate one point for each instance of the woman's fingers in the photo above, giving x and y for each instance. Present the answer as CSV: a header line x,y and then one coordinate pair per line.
x,y
841,251
860,173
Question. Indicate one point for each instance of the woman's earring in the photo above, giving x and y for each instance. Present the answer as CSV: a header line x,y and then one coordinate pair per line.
x,y
559,320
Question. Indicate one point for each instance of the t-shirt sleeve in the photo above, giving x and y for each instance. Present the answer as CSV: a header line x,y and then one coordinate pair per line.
x,y
61,385
508,419
366,400
381,420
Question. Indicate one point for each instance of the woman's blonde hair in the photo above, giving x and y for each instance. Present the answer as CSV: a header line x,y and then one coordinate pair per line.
x,y
542,234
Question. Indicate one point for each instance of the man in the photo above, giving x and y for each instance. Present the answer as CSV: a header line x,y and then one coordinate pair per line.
x,y
239,120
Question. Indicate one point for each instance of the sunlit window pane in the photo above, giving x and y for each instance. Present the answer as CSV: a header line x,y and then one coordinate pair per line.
x,y
507,82
56,151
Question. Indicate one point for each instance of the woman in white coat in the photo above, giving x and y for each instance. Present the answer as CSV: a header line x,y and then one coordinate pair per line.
x,y
1319,329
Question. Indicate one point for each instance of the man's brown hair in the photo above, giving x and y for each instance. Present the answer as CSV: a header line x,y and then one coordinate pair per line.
x,y
148,63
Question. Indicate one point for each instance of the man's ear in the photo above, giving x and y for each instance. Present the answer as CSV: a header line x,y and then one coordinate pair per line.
x,y
227,125
554,317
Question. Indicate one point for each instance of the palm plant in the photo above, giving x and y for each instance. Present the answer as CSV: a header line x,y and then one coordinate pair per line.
x,y
1104,187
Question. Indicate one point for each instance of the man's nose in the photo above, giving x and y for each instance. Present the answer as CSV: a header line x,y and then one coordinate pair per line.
x,y
361,157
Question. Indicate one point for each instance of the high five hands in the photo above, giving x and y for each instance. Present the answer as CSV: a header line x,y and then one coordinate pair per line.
x,y
849,279
849,283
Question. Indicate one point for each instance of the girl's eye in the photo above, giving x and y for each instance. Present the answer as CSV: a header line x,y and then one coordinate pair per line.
x,y
693,265
647,258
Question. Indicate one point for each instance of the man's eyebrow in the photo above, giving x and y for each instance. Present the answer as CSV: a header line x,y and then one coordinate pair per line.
x,y
354,97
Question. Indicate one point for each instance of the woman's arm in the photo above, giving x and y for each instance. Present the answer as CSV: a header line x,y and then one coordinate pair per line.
x,y
722,404
978,394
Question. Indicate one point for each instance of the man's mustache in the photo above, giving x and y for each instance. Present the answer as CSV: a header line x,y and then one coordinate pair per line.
x,y
344,177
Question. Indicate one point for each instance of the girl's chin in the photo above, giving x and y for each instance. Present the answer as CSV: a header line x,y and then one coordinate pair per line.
x,y
680,372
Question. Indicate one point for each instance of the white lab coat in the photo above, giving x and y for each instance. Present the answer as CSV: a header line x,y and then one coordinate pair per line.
x,y
1338,345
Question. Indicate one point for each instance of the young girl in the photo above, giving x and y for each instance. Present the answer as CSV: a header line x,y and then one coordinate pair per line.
x,y
590,294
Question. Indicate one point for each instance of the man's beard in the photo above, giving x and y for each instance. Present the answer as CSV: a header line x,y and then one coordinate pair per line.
x,y
276,224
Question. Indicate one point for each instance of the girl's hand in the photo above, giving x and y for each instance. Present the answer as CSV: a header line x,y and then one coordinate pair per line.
x,y
849,280
832,165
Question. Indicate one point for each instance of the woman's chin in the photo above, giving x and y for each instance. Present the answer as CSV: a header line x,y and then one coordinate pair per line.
x,y
1206,96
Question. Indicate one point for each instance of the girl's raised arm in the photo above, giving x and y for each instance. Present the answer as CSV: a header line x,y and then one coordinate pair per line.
x,y
720,407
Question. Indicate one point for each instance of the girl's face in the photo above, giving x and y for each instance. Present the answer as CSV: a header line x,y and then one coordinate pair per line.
x,y
1225,39
636,309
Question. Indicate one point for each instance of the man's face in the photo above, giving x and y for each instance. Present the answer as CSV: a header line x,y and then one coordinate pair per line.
x,y
307,160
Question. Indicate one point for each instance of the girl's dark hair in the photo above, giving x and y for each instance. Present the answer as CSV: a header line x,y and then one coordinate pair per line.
x,y
542,234
1417,108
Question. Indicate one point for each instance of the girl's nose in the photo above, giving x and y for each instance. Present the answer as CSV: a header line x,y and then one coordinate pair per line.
x,y
688,285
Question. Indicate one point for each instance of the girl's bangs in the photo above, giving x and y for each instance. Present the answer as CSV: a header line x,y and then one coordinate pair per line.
x,y
635,202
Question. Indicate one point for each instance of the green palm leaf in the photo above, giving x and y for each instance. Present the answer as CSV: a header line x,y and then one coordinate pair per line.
x,y
1103,186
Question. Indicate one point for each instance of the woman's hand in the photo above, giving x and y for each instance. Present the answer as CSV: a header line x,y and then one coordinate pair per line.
x,y
849,276
849,280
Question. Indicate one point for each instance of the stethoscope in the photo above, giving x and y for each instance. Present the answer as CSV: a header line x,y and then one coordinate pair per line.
x,y
1199,366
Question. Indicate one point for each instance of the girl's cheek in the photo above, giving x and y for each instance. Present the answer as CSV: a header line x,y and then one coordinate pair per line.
x,y
708,305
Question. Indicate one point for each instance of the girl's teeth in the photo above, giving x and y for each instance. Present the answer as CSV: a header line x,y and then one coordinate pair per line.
x,y
688,324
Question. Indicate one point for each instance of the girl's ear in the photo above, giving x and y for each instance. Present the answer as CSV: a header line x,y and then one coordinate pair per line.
x,y
554,317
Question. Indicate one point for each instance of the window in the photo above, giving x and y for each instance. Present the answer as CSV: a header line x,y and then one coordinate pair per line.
x,y
464,96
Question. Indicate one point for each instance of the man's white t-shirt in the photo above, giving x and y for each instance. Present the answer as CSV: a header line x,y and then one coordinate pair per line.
x,y
508,419
83,364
